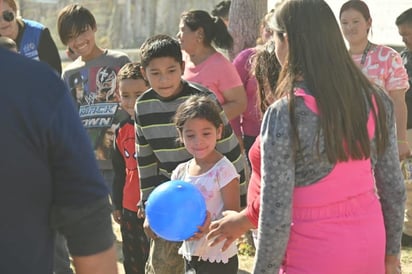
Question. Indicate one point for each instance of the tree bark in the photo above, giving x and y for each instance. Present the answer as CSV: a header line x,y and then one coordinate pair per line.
x,y
244,20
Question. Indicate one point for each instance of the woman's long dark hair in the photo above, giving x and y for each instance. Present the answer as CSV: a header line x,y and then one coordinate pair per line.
x,y
317,53
266,69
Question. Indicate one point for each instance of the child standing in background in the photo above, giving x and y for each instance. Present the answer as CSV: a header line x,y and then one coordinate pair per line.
x,y
90,77
126,189
200,126
157,150
94,75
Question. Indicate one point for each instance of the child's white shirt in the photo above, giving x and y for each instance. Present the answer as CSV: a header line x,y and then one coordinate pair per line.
x,y
209,184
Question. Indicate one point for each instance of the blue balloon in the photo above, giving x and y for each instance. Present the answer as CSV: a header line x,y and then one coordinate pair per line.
x,y
175,209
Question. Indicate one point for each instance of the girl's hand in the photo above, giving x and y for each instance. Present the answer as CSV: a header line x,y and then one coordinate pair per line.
x,y
229,228
202,229
117,216
140,212
392,265
149,232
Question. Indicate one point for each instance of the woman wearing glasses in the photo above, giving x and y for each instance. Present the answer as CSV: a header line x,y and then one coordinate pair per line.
x,y
32,38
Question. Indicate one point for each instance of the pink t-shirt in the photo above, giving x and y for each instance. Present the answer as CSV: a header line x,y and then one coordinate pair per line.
x,y
217,74
383,66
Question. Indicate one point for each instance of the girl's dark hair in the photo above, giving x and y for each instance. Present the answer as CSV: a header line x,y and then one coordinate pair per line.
x,y
266,68
213,27
357,5
198,106
73,20
318,55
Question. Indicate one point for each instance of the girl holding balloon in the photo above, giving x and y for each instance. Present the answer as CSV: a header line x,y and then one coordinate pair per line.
x,y
200,127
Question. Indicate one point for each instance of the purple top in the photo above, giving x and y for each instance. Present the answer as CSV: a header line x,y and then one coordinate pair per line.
x,y
250,120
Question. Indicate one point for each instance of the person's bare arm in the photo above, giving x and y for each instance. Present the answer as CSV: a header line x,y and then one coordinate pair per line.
x,y
101,263
235,102
231,195
401,113
229,228
392,264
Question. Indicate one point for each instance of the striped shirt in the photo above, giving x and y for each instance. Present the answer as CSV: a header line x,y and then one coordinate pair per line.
x,y
158,149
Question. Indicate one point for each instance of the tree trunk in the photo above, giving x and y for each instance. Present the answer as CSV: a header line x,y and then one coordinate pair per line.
x,y
244,21
127,32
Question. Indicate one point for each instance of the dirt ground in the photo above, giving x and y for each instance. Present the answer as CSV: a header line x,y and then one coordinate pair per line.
x,y
246,262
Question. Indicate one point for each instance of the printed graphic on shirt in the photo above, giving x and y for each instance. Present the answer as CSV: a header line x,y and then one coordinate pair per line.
x,y
95,92
129,153
30,51
383,66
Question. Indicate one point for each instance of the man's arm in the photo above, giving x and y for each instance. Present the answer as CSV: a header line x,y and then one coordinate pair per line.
x,y
88,231
100,263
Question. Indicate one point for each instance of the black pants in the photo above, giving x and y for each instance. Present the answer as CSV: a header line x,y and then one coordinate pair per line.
x,y
135,243
205,267
247,143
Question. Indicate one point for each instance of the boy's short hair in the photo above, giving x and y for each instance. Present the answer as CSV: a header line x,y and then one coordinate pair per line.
x,y
7,43
160,46
131,71
404,18
73,20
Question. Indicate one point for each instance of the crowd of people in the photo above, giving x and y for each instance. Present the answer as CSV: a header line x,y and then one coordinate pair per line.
x,y
325,128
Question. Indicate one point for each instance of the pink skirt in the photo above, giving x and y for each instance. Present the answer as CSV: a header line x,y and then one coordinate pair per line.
x,y
345,238
337,225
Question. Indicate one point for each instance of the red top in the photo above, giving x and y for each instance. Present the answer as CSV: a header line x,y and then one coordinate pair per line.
x,y
253,192
127,164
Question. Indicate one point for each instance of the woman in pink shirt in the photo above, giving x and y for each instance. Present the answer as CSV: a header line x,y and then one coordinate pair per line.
x,y
205,66
250,120
266,68
382,65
